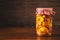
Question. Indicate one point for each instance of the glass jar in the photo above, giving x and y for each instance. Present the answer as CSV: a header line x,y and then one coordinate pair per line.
x,y
44,21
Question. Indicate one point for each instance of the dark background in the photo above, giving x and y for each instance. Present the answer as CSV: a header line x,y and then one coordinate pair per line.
x,y
22,12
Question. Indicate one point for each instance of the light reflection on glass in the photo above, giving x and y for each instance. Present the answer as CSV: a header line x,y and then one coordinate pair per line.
x,y
43,38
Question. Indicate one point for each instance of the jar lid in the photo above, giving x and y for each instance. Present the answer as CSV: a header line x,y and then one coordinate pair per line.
x,y
46,11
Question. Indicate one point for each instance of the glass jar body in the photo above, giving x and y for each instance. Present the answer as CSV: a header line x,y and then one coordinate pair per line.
x,y
43,25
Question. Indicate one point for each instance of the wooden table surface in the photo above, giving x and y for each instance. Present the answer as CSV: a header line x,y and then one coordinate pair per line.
x,y
22,33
